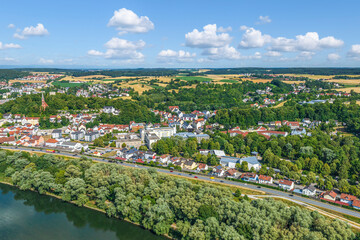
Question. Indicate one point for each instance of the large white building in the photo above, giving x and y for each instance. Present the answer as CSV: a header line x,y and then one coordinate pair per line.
x,y
152,135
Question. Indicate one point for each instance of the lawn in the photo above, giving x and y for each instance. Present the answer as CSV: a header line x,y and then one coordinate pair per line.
x,y
68,84
229,81
194,78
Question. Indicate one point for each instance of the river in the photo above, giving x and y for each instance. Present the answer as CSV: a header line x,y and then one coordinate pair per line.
x,y
28,215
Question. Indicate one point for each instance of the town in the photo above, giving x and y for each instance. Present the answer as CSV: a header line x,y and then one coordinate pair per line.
x,y
145,143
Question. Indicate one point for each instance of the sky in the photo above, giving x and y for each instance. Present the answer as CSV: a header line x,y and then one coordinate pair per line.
x,y
179,34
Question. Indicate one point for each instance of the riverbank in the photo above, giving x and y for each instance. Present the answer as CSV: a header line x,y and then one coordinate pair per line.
x,y
7,181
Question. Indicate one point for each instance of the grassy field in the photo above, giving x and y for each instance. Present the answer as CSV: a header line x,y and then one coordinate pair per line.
x,y
194,78
229,81
68,84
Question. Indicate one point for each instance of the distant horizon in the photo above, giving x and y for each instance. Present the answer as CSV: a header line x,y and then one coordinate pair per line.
x,y
20,67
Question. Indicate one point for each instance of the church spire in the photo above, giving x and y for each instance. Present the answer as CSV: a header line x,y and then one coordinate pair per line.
x,y
43,103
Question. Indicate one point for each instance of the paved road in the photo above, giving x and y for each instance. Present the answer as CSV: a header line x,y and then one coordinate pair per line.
x,y
304,200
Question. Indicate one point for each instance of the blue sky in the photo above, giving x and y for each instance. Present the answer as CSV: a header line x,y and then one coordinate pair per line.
x,y
132,34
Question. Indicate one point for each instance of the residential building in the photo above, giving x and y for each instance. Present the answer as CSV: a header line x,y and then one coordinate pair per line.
x,y
91,136
265,179
356,204
57,133
329,195
128,140
286,184
249,176
202,167
347,198
51,143
309,191
78,135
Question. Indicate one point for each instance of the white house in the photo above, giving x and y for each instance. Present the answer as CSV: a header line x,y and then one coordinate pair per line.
x,y
77,135
265,179
286,184
309,191
51,143
91,136
56,133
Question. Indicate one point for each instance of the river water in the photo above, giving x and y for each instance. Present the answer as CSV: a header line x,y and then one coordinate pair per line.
x,y
26,215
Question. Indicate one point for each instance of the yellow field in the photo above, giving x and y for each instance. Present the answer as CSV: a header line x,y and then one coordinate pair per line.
x,y
316,77
348,90
294,82
345,81
26,81
257,80
280,104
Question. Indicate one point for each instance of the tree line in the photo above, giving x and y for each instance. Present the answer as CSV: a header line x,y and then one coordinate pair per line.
x,y
29,105
165,204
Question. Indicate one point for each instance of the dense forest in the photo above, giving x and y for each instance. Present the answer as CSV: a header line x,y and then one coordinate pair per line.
x,y
206,96
165,204
291,111
29,105
7,74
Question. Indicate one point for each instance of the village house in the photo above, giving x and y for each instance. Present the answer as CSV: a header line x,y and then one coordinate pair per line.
x,y
265,179
286,184
189,164
232,173
356,204
202,167
51,143
347,198
249,176
309,191
218,171
329,195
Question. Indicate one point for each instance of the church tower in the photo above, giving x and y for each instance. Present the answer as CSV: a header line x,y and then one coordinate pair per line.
x,y
43,103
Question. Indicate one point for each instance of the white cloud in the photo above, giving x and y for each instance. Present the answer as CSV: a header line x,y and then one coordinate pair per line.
x,y
354,52
208,38
121,49
226,52
253,38
126,21
9,45
117,43
123,54
8,59
273,54
305,55
308,42
11,25
264,20
39,30
46,61
178,56
95,53
223,29
333,57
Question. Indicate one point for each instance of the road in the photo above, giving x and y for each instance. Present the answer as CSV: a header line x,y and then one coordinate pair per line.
x,y
307,202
